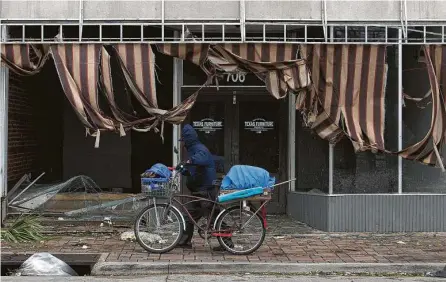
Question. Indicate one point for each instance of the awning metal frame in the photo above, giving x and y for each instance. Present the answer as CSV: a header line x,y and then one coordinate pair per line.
x,y
232,32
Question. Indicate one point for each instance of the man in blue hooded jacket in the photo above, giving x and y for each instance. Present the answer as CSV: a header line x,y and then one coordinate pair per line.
x,y
200,176
201,165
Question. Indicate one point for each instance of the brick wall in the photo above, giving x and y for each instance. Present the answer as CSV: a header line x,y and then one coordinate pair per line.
x,y
22,138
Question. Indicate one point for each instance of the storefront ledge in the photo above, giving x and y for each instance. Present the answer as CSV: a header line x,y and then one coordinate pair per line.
x,y
144,268
370,212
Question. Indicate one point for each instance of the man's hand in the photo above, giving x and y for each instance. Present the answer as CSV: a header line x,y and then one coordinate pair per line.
x,y
179,166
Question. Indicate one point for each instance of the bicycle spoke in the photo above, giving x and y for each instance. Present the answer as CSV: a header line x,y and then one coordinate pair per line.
x,y
243,240
159,232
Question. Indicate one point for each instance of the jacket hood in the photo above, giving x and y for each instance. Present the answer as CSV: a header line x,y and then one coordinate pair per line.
x,y
189,135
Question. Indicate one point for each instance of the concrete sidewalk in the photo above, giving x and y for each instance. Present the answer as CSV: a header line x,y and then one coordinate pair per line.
x,y
221,278
323,248
295,248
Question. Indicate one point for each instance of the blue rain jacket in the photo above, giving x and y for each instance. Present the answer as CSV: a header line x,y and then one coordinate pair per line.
x,y
201,169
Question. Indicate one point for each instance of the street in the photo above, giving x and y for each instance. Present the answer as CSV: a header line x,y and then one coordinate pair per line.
x,y
218,278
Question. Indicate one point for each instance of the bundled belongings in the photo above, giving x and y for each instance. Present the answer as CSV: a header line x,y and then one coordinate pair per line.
x,y
155,178
242,177
244,182
157,171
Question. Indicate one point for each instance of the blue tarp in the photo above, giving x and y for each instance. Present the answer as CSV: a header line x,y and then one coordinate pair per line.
x,y
242,177
161,170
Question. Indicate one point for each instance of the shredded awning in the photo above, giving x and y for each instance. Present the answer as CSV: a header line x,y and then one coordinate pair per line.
x,y
340,88
77,66
23,59
428,150
277,65
349,85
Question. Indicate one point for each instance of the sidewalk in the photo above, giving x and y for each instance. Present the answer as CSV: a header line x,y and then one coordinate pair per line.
x,y
287,242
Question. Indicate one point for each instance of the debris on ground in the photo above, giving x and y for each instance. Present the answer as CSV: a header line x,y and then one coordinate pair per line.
x,y
128,236
144,236
44,264
78,198
25,228
439,274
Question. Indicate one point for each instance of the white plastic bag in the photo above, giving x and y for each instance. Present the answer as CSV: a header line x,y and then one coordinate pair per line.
x,y
44,264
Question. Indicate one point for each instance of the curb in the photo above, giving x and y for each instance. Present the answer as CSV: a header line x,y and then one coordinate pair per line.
x,y
143,268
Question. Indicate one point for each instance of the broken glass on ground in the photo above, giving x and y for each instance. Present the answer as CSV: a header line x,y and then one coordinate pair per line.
x,y
78,198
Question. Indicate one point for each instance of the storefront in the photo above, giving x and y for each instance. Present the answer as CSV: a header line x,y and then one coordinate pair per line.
x,y
336,188
241,123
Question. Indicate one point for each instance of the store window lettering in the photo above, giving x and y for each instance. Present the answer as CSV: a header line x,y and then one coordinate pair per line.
x,y
259,125
207,125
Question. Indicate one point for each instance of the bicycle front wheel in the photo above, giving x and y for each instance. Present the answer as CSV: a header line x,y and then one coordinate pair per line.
x,y
245,228
158,229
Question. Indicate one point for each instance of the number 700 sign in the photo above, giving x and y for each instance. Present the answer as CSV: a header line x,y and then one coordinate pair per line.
x,y
236,77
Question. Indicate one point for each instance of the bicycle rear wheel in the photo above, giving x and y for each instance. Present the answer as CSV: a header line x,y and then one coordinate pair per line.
x,y
158,229
246,230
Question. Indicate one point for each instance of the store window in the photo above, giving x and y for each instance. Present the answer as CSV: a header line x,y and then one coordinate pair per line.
x,y
311,160
367,172
418,178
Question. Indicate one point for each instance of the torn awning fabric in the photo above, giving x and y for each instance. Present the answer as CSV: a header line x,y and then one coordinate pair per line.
x,y
136,60
340,88
23,59
428,150
78,68
277,65
347,94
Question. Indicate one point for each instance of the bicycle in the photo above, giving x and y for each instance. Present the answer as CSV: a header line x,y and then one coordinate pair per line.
x,y
233,222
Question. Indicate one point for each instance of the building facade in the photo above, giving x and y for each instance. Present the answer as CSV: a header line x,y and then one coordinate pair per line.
x,y
336,188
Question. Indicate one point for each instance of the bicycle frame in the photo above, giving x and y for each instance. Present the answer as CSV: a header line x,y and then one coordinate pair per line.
x,y
174,200
183,207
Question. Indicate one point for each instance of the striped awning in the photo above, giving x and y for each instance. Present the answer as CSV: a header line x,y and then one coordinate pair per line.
x,y
348,91
77,66
23,59
196,53
428,150
107,87
138,65
275,64
82,67
142,87
341,88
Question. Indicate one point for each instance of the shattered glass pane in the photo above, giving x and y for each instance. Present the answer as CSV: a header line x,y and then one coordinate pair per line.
x,y
78,198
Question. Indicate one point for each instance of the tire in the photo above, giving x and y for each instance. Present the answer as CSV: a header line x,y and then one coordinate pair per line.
x,y
232,249
171,211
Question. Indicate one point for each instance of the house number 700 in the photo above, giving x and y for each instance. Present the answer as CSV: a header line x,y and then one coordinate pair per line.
x,y
235,77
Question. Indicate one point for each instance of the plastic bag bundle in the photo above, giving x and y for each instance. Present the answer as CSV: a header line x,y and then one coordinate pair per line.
x,y
45,264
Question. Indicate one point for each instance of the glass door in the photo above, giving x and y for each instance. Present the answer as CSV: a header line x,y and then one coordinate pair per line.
x,y
244,129
257,140
210,118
